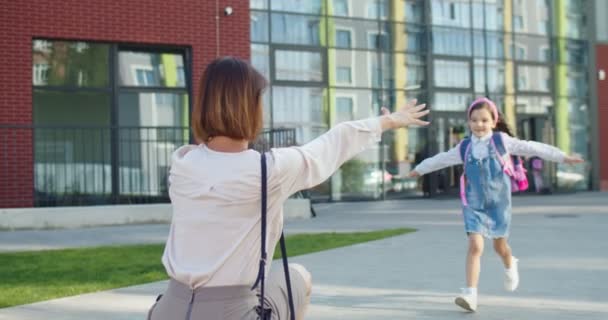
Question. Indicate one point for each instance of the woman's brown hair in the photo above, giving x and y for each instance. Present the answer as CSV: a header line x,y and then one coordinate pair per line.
x,y
229,102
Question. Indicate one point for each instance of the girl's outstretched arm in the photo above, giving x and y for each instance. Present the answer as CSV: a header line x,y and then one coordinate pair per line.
x,y
438,161
539,149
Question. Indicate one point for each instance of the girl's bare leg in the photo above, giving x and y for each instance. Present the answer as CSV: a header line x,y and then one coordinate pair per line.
x,y
473,259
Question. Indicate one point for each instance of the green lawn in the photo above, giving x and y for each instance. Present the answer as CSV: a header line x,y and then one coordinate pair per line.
x,y
27,277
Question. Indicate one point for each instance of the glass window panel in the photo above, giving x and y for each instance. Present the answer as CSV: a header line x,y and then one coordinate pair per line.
x,y
455,13
477,6
455,42
298,65
341,8
300,108
577,26
376,9
489,76
360,176
575,52
151,69
450,101
414,11
152,125
71,162
260,59
308,6
356,31
452,74
297,29
259,26
73,64
152,109
345,62
380,70
494,15
353,104
408,37
72,156
71,108
367,9
343,38
541,105
570,19
479,75
576,176
532,48
495,44
531,17
518,23
574,83
533,78
409,72
378,41
479,44
496,76
368,68
344,109
344,75
258,4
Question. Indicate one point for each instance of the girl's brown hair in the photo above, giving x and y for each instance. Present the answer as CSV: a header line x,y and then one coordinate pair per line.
x,y
229,101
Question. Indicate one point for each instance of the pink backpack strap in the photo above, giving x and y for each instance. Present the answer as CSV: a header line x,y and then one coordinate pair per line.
x,y
503,155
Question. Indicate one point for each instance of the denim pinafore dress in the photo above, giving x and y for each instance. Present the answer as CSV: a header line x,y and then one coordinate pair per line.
x,y
488,194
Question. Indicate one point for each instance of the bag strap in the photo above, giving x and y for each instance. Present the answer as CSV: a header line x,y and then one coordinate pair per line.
x,y
287,277
465,147
503,154
263,254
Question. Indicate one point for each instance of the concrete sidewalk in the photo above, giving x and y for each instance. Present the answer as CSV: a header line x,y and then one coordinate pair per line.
x,y
560,240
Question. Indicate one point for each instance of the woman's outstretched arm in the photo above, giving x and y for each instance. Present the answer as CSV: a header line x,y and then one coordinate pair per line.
x,y
303,167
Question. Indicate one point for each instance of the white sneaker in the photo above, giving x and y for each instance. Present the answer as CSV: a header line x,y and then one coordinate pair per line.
x,y
512,276
467,301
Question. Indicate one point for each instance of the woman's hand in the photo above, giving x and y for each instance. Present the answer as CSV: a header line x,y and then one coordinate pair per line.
x,y
405,116
572,159
413,174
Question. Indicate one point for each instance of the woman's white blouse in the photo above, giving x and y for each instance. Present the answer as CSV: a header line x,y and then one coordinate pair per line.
x,y
214,238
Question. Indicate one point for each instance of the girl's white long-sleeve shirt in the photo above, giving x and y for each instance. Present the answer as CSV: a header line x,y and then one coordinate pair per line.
x,y
214,238
479,149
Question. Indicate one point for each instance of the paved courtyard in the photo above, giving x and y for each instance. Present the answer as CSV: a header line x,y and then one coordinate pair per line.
x,y
561,242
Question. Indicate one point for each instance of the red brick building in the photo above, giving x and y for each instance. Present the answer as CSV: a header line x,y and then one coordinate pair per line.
x,y
173,40
602,96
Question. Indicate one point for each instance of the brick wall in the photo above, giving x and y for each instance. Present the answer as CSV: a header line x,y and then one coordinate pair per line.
x,y
602,99
189,23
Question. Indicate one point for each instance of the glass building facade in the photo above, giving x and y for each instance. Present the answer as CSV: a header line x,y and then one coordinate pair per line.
x,y
330,61
106,118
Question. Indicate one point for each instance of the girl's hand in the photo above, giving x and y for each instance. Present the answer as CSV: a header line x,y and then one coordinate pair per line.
x,y
405,116
413,174
572,159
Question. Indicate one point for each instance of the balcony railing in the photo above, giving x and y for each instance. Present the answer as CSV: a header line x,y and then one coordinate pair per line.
x,y
67,166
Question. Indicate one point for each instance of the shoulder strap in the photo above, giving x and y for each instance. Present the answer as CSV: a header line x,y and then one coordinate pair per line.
x,y
263,255
465,146
292,309
516,160
499,143
503,155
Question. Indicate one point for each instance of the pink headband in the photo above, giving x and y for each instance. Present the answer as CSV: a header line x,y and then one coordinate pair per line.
x,y
488,102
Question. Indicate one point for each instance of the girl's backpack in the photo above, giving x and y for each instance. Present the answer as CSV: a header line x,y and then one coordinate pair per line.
x,y
512,165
